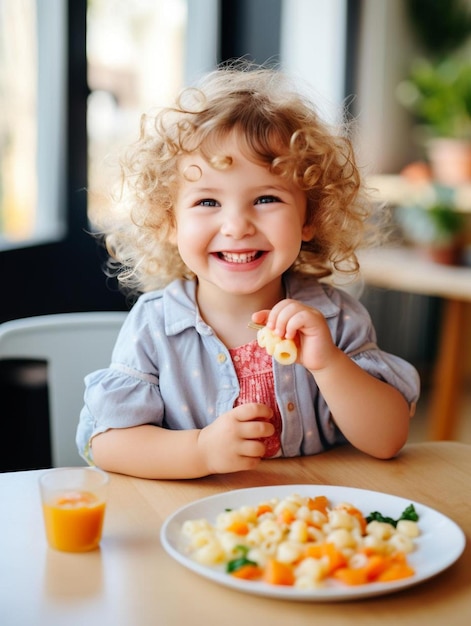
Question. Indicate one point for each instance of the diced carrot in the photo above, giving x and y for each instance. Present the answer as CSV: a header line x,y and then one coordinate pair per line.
x,y
351,575
319,503
248,572
238,528
286,517
351,510
335,557
277,573
378,568
396,571
398,568
263,508
314,551
375,566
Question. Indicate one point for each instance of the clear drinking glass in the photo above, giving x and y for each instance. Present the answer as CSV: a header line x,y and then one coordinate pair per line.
x,y
74,502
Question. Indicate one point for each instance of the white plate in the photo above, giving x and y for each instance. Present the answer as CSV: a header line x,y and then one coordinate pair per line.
x,y
439,545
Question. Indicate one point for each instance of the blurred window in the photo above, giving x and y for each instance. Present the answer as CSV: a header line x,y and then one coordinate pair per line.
x,y
32,87
136,60
313,49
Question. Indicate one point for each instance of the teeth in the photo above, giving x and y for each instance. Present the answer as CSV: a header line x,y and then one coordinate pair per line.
x,y
233,257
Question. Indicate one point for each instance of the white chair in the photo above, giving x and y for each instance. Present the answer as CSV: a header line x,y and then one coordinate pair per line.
x,y
73,345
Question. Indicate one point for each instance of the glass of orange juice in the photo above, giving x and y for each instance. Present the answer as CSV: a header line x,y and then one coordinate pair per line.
x,y
73,501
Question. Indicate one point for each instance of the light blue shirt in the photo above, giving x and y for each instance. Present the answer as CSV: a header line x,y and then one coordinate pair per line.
x,y
170,369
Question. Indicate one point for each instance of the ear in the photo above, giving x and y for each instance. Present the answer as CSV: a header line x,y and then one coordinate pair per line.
x,y
172,235
172,232
308,232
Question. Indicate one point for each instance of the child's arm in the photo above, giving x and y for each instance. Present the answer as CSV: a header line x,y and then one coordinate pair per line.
x,y
372,415
229,444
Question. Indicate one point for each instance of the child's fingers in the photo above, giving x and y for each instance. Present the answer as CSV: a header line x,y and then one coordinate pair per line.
x,y
260,317
252,411
252,448
256,429
282,316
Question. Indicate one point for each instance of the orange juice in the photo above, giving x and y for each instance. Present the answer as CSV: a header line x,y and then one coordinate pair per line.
x,y
74,521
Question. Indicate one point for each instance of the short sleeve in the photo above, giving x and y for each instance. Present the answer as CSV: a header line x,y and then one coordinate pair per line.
x,y
356,336
126,393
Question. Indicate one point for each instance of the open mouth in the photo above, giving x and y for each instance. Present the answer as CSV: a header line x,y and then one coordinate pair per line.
x,y
240,257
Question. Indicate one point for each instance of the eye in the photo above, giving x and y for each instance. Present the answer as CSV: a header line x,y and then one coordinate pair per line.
x,y
267,199
207,202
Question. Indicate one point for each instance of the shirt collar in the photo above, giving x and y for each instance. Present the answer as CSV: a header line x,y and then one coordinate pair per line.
x,y
180,308
181,311
310,291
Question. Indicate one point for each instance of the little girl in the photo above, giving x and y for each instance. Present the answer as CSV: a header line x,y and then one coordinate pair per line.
x,y
236,202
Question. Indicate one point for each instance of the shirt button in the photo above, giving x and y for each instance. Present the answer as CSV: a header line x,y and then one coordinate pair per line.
x,y
290,406
221,357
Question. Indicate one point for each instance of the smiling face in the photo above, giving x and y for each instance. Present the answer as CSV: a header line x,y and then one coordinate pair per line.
x,y
239,227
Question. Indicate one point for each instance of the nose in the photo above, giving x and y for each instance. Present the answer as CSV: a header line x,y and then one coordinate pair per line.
x,y
237,223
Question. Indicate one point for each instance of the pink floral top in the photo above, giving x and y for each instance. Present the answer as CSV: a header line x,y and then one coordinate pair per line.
x,y
254,371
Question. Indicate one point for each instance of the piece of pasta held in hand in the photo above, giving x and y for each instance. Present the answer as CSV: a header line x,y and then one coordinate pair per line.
x,y
282,350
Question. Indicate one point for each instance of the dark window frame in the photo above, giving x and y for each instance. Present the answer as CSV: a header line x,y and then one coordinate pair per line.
x,y
65,275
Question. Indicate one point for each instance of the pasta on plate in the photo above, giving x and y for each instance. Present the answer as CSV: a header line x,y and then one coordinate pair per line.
x,y
305,542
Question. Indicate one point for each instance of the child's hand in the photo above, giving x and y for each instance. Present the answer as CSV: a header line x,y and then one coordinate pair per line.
x,y
232,442
306,326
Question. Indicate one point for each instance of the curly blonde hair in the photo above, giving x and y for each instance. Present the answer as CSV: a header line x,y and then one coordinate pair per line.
x,y
278,127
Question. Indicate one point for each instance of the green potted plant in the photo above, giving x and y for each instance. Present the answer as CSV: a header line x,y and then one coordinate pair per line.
x,y
437,89
429,218
439,95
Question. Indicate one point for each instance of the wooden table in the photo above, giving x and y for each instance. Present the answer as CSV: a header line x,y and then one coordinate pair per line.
x,y
403,269
131,581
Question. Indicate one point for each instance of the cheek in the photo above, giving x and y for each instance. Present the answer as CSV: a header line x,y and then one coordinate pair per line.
x,y
291,229
189,237
182,238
